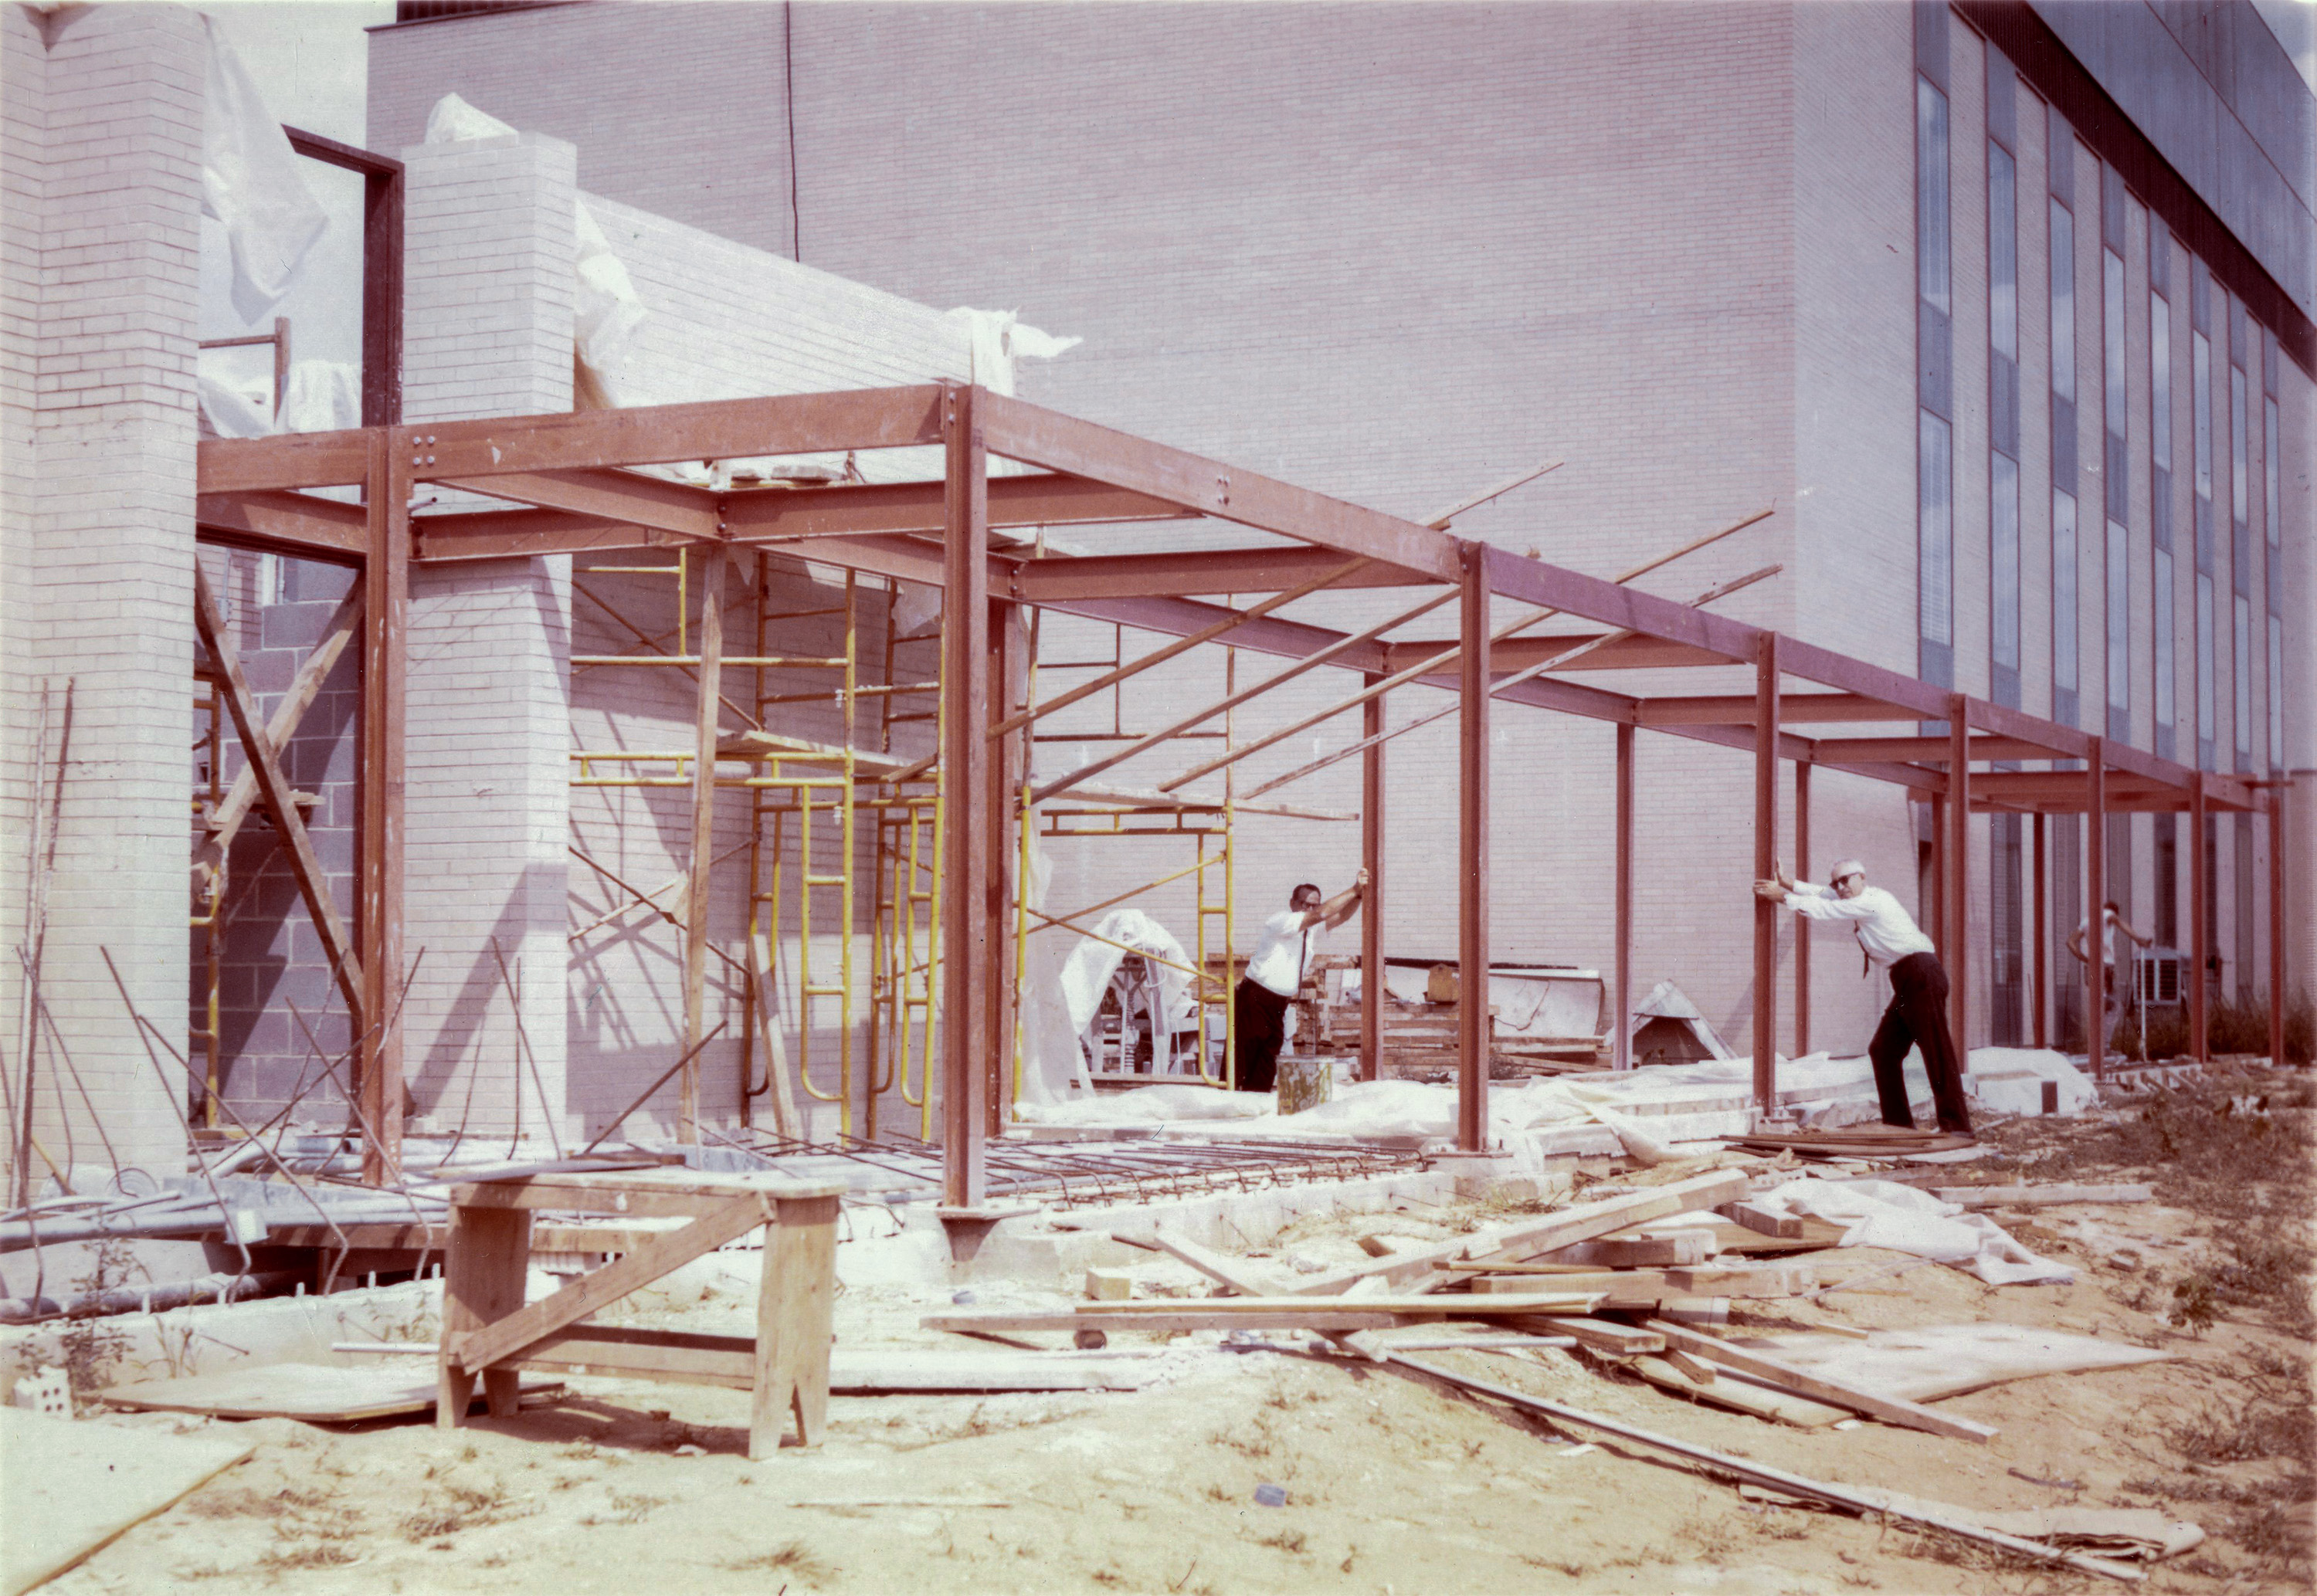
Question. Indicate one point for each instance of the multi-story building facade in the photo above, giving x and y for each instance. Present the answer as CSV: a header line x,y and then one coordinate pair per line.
x,y
2005,307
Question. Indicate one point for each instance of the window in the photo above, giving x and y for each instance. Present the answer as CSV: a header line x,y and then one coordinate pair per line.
x,y
2002,252
2003,533
2003,388
2204,668
2242,660
1935,462
2064,302
1933,271
2200,408
2119,620
2162,576
2117,570
2063,591
1934,334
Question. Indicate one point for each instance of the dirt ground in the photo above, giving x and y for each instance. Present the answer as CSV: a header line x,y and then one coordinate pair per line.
x,y
1392,1485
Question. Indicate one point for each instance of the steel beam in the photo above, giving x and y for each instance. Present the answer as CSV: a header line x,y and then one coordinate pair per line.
x,y
2276,966
1611,605
2039,891
1041,437
1472,858
1184,572
1768,648
1932,750
275,523
967,933
1959,756
1794,708
1513,655
2200,943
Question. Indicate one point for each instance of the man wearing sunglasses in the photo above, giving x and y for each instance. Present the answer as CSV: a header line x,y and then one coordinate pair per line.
x,y
1917,1015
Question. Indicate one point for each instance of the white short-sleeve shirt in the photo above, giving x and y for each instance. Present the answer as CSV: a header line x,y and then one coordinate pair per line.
x,y
1284,951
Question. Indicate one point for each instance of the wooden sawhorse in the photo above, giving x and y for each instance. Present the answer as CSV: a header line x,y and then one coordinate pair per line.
x,y
488,1330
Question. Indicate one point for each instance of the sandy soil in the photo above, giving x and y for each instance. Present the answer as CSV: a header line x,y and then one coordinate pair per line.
x,y
1393,1485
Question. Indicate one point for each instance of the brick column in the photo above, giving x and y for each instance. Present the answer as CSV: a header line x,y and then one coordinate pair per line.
x,y
487,332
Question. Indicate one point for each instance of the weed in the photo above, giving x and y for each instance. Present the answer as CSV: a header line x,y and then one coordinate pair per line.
x,y
320,1554
1108,1576
456,1507
1219,1492
90,1347
627,1508
2195,1303
794,1559
1287,1540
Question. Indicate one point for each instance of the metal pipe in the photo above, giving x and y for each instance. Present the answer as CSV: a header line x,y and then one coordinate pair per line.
x,y
220,1288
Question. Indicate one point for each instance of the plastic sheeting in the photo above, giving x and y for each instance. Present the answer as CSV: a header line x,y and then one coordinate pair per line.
x,y
1903,1219
996,339
251,183
320,396
1086,975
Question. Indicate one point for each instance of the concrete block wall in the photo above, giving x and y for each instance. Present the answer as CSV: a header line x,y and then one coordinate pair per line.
x,y
103,143
487,312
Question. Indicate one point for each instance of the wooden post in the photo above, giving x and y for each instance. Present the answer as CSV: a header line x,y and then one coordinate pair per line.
x,y
967,933
1802,927
486,1258
2277,927
793,1305
1935,913
1372,824
1959,877
2039,1000
1766,848
377,931
1620,994
703,833
2095,908
2200,945
1472,848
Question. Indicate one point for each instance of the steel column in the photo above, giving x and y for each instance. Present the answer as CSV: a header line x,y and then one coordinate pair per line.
x,y
2200,943
2039,1000
1472,850
1958,938
1766,850
1372,824
1620,1011
968,941
1000,796
1802,930
2277,926
703,834
2095,908
386,620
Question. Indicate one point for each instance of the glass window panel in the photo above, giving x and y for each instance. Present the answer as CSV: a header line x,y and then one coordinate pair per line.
x,y
2002,252
2003,521
2063,590
2268,454
2118,577
1934,464
2112,342
2204,656
2240,473
1932,267
2242,659
2159,379
2161,584
2275,699
2200,401
2064,301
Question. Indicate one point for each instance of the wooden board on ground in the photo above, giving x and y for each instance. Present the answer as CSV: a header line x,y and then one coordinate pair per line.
x,y
1935,1360
69,1487
860,1371
316,1393
1734,1391
1801,1382
2025,1197
1638,1288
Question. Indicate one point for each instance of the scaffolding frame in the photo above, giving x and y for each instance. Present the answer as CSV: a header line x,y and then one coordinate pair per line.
x,y
939,532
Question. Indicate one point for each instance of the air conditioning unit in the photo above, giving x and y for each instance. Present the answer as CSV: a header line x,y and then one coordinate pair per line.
x,y
2162,974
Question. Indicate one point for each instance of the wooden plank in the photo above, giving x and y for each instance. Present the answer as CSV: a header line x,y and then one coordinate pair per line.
x,y
1739,1396
1451,1305
794,1302
1639,1252
507,1337
772,1038
1185,1316
385,725
1602,1335
2022,1197
1519,1242
1787,1376
485,1264
1249,1279
634,1193
1761,1220
312,1393
273,785
71,1488
1639,1287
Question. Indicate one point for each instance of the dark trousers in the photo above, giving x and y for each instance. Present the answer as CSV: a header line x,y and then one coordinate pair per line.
x,y
1917,1018
1258,1031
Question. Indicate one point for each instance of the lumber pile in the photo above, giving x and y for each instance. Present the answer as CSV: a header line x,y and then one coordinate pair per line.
x,y
1851,1141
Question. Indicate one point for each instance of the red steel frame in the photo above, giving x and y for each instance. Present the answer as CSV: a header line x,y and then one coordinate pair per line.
x,y
567,469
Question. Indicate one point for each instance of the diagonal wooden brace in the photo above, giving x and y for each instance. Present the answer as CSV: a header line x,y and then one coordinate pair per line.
x,y
304,687
274,789
507,1338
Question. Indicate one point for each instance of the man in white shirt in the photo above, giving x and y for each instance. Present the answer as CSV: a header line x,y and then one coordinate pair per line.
x,y
1917,1014
2112,924
1274,974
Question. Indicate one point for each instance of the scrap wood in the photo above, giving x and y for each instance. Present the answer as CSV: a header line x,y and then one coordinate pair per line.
x,y
1755,1218
1735,1392
1938,1361
1801,1382
1639,1287
1603,1335
1189,1316
1547,1233
1954,1521
2022,1196
1653,1248
71,1486
1446,1305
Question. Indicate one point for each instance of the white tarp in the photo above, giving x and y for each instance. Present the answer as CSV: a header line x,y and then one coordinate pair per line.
x,y
996,339
1904,1219
320,396
251,184
1086,975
